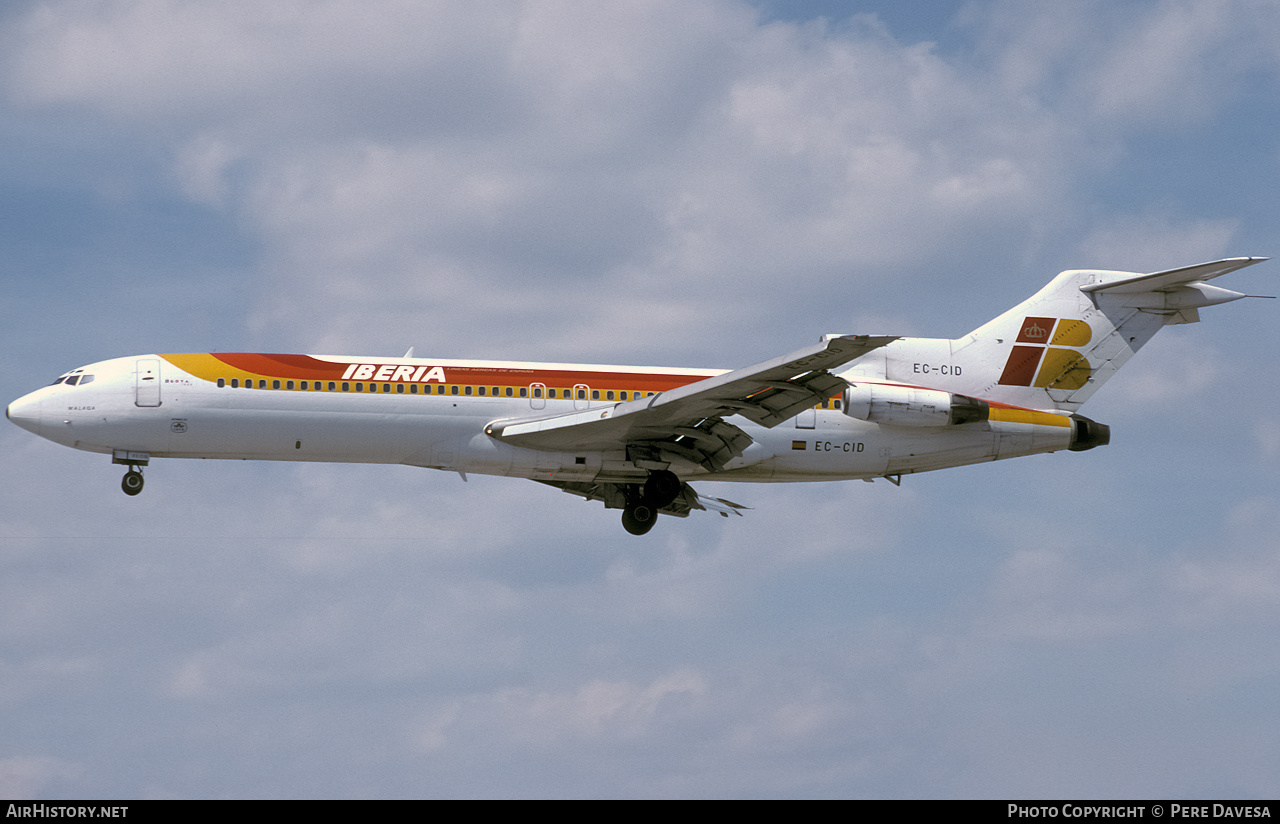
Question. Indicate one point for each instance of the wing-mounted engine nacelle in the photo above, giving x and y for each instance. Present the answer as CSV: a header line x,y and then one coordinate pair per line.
x,y
908,406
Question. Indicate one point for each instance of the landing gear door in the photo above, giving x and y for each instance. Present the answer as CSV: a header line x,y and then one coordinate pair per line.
x,y
148,382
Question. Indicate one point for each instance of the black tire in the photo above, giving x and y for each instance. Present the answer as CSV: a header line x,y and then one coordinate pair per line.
x,y
132,482
639,518
661,488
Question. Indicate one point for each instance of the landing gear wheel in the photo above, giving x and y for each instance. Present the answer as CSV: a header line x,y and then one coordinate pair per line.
x,y
639,518
661,488
132,482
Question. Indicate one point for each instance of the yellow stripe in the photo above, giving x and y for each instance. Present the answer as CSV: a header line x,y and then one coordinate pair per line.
x,y
1028,416
205,366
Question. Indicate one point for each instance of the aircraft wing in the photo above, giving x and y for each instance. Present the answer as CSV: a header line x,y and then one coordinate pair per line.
x,y
689,421
1173,278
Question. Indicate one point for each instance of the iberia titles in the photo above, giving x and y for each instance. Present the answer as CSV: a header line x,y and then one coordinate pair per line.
x,y
392,373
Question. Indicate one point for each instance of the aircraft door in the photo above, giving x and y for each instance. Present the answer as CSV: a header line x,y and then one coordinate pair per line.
x,y
538,395
147,386
581,396
807,419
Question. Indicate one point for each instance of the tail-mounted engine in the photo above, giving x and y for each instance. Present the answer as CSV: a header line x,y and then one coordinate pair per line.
x,y
907,406
1086,434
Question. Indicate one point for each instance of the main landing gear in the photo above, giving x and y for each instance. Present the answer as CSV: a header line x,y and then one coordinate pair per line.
x,y
132,481
638,518
644,502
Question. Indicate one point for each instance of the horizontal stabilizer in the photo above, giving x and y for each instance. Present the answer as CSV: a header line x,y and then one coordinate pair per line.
x,y
1172,278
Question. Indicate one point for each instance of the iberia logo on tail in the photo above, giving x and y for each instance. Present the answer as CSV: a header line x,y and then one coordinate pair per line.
x,y
1040,357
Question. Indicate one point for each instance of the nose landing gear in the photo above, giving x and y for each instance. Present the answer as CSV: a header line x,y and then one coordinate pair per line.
x,y
132,481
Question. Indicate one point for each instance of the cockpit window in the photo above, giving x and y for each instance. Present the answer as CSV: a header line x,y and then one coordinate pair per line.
x,y
73,379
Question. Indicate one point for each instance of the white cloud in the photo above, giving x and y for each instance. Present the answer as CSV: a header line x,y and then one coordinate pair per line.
x,y
1240,583
617,708
1171,67
1117,67
1152,242
34,776
1171,374
628,164
173,59
202,168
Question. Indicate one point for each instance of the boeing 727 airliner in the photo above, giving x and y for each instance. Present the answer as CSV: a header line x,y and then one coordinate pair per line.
x,y
848,407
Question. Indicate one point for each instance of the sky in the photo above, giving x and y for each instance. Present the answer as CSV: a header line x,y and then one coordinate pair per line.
x,y
690,184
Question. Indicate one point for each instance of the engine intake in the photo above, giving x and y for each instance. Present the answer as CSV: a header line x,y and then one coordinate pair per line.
x,y
907,406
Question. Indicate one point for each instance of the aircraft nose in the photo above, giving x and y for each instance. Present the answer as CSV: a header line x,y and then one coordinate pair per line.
x,y
25,412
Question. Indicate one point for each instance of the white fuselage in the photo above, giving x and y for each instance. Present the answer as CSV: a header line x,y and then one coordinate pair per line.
x,y
148,406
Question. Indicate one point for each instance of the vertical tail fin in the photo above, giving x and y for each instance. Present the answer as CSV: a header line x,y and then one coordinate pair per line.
x,y
1055,349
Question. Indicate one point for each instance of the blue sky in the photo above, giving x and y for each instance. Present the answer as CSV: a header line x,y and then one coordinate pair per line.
x,y
687,184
